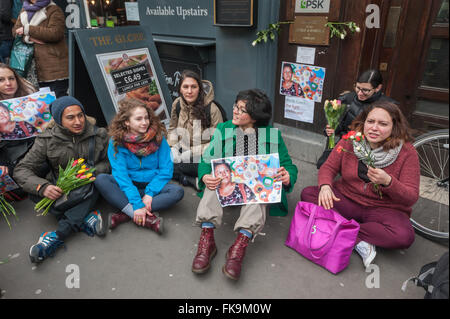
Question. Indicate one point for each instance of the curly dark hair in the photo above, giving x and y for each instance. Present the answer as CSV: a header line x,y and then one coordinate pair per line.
x,y
257,105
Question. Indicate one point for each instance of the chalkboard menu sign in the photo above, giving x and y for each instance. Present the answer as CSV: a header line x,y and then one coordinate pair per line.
x,y
234,13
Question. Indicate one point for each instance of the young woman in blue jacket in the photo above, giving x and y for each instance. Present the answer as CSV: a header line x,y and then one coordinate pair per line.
x,y
142,167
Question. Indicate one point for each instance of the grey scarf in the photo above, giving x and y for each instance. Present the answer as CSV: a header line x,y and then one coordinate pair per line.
x,y
381,158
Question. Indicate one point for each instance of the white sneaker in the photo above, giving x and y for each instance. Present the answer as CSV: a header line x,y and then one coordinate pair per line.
x,y
366,251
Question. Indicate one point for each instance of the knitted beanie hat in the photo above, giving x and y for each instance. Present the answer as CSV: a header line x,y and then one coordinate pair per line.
x,y
59,105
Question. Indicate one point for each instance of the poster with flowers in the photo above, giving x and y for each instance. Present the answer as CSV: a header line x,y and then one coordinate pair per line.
x,y
131,74
303,81
26,116
247,179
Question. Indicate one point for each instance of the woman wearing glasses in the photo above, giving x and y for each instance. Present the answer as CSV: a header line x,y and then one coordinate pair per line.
x,y
367,90
248,133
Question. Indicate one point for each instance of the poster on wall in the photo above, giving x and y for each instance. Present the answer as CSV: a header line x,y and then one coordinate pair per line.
x,y
131,74
304,81
299,109
26,116
247,179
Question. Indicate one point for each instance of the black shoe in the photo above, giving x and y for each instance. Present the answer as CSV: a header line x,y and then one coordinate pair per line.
x,y
189,181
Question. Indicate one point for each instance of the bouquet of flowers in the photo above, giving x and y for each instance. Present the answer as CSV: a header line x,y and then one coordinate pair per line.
x,y
333,111
359,144
6,209
73,176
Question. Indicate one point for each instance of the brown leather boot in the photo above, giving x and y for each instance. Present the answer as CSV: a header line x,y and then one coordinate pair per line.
x,y
154,223
205,252
117,219
235,256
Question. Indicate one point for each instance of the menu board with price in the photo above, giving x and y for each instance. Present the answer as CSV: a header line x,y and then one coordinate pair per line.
x,y
234,13
131,78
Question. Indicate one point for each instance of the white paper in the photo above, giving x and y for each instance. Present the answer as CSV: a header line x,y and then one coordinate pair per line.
x,y
132,11
299,109
306,55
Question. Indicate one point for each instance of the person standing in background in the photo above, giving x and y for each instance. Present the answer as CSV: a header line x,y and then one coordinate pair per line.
x,y
6,24
42,23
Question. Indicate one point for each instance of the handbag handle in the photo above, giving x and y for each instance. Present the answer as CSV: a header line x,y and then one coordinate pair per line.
x,y
308,235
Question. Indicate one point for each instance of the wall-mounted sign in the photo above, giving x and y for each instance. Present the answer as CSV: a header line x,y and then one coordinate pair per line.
x,y
299,109
234,13
312,6
309,30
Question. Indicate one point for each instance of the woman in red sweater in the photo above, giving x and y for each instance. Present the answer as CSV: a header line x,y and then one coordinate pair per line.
x,y
384,219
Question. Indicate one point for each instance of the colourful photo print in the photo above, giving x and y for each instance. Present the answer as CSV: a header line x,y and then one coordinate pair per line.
x,y
26,116
247,179
304,81
7,184
131,74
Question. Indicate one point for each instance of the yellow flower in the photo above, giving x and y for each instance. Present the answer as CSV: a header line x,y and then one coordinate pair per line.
x,y
89,175
81,171
83,167
80,160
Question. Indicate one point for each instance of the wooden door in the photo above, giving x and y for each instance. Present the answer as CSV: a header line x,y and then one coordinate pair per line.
x,y
411,51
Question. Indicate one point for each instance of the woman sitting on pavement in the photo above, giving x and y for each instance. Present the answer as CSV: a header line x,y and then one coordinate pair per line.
x,y
12,86
367,90
142,167
384,218
247,134
196,96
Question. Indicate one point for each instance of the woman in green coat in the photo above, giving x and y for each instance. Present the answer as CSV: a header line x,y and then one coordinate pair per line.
x,y
246,134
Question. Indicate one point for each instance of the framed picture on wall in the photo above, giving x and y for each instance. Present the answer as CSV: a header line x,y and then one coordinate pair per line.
x,y
235,13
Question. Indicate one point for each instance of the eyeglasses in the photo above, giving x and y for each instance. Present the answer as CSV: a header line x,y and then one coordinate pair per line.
x,y
240,110
364,91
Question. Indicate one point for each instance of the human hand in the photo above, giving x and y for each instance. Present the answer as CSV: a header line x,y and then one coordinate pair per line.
x,y
211,182
283,176
53,192
379,176
139,216
3,171
326,197
19,31
36,41
329,130
147,200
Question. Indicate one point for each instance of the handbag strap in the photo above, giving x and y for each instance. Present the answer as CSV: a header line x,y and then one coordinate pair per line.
x,y
308,235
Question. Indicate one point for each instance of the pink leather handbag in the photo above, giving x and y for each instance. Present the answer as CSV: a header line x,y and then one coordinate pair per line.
x,y
322,236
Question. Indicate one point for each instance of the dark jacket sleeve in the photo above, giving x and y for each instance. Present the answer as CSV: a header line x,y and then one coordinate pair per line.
x,y
26,172
5,11
102,165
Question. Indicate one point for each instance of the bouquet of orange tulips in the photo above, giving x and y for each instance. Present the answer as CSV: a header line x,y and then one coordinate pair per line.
x,y
73,176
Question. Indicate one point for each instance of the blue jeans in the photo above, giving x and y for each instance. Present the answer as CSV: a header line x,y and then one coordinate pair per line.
x,y
5,50
111,192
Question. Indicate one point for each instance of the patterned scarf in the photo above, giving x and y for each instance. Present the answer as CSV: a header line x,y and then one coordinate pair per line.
x,y
142,144
31,8
381,158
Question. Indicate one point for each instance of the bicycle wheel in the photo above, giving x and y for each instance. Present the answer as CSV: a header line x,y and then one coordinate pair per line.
x,y
430,214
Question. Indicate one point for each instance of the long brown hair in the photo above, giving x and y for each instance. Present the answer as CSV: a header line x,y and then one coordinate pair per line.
x,y
118,128
24,87
401,130
198,109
